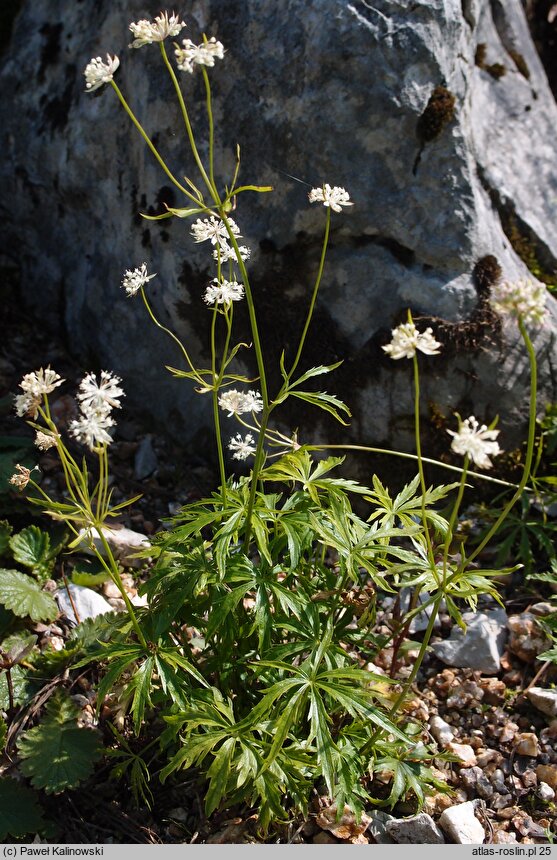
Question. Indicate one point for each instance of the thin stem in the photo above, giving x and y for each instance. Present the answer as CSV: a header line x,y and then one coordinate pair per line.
x,y
415,669
314,294
173,336
251,310
187,123
454,515
116,578
211,131
216,416
420,461
258,462
406,456
529,447
151,145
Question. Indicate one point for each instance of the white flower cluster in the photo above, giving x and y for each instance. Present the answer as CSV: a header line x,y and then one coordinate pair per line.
x,y
237,402
335,197
225,252
191,54
523,299
214,230
223,292
407,339
98,72
146,32
475,441
96,402
134,279
34,386
243,447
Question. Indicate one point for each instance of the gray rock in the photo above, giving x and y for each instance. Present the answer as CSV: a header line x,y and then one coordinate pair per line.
x,y
544,700
441,730
545,792
480,647
124,544
420,621
418,830
377,827
314,89
461,825
145,461
88,604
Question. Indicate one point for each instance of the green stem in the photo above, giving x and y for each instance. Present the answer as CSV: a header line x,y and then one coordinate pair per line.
x,y
453,517
187,124
420,461
151,145
258,462
251,310
399,701
112,567
529,447
216,416
211,132
409,457
173,336
314,294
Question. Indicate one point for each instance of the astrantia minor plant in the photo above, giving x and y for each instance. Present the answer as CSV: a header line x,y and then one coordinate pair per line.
x,y
262,599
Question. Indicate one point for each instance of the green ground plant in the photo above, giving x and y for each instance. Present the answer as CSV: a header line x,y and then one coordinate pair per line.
x,y
256,649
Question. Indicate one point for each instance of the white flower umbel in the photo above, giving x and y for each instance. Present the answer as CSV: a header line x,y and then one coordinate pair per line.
x,y
98,72
238,402
243,447
40,382
407,339
524,298
44,441
134,279
92,429
205,54
34,386
476,441
213,229
146,32
22,476
97,399
225,252
223,292
27,406
335,197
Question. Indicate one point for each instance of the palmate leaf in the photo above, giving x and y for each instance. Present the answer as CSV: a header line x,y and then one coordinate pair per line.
x,y
20,812
57,755
24,597
407,506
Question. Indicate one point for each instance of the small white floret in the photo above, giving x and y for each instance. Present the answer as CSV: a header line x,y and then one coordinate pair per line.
x,y
407,339
243,447
335,197
134,279
146,32
98,72
523,299
223,292
205,54
475,441
238,402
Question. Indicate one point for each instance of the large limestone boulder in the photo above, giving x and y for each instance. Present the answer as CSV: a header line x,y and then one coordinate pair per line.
x,y
435,115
